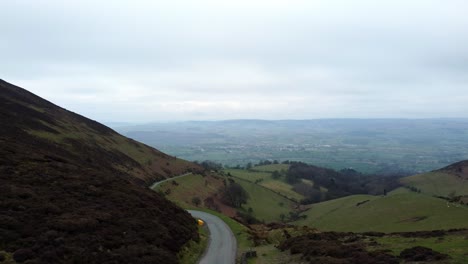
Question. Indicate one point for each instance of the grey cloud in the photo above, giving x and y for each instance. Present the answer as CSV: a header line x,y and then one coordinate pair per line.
x,y
290,59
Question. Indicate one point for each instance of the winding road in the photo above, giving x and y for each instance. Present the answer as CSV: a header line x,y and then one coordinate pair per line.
x,y
168,179
222,245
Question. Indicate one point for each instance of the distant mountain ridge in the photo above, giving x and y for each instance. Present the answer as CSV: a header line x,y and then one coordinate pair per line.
x,y
75,191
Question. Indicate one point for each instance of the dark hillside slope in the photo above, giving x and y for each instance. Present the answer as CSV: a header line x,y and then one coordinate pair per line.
x,y
74,191
24,114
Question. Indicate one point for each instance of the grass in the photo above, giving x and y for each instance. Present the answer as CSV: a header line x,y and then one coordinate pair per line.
x,y
194,185
251,176
193,251
271,167
399,211
266,204
269,254
189,187
438,183
453,245
276,185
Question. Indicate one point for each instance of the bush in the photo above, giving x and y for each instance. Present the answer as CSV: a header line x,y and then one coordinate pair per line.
x,y
23,254
421,254
196,201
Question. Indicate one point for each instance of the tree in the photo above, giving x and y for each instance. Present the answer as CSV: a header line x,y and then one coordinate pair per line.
x,y
211,165
276,175
282,217
234,195
196,201
291,178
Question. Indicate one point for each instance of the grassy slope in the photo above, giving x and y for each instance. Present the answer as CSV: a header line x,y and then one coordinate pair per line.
x,y
191,186
272,167
266,205
193,251
264,173
194,186
399,211
438,183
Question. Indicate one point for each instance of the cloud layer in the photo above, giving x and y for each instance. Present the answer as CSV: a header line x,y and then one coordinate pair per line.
x,y
180,60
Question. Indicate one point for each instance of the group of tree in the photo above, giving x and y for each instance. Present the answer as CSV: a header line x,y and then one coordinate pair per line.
x,y
292,216
338,183
267,162
209,165
233,194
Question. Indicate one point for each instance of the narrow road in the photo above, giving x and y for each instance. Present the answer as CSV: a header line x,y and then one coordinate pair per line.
x,y
168,179
222,245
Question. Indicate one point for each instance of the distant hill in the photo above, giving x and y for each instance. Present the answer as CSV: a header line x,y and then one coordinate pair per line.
x,y
75,191
449,181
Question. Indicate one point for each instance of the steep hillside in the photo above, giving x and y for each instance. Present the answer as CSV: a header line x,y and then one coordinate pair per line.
x,y
84,139
74,191
401,210
447,182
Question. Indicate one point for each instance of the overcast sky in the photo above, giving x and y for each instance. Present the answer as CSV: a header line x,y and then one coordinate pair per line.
x,y
142,61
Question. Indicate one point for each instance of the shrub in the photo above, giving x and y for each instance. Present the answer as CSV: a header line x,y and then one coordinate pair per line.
x,y
421,254
23,254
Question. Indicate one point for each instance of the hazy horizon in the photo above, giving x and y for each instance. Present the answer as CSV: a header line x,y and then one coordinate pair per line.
x,y
124,123
141,61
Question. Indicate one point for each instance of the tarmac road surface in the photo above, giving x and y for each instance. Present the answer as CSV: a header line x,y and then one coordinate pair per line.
x,y
222,245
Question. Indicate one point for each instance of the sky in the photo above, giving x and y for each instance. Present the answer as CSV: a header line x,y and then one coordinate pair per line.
x,y
149,61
